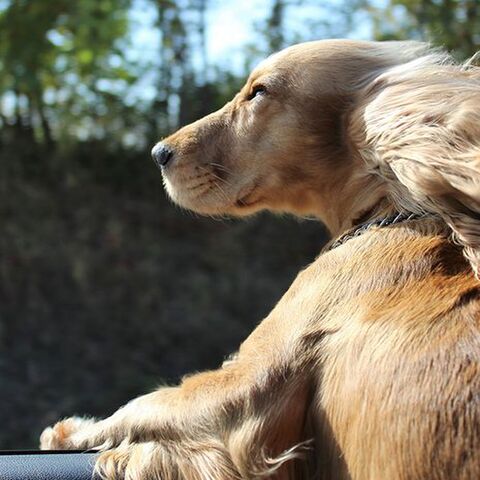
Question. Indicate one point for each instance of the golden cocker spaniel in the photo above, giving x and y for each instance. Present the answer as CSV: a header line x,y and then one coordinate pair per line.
x,y
368,368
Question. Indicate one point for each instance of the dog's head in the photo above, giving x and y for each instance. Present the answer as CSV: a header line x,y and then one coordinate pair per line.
x,y
281,143
340,129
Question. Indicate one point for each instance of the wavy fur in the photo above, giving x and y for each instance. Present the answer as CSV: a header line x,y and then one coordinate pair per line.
x,y
422,126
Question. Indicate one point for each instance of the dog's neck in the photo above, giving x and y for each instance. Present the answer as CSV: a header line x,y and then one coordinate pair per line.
x,y
348,203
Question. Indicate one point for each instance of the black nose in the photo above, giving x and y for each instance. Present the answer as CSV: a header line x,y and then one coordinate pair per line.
x,y
162,154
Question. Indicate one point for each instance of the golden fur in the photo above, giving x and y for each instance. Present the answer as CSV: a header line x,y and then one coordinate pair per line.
x,y
369,366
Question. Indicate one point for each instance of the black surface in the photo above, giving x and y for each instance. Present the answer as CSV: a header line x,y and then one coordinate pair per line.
x,y
46,465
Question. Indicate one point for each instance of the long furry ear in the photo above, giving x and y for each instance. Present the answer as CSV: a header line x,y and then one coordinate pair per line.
x,y
422,124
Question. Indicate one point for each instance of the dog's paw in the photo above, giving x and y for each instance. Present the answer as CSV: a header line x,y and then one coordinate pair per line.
x,y
128,460
161,460
62,435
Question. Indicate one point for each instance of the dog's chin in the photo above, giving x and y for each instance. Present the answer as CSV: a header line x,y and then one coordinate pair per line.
x,y
216,203
247,204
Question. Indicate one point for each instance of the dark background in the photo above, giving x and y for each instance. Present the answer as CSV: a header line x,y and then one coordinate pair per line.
x,y
106,289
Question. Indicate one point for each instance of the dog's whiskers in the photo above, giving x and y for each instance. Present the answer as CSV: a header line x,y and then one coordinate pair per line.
x,y
220,167
219,190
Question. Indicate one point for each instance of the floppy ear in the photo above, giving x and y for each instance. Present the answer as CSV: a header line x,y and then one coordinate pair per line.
x,y
424,127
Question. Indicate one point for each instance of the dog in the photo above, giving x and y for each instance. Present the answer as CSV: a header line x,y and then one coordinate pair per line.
x,y
369,366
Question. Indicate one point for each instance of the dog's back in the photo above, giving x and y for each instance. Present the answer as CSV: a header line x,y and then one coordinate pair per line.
x,y
399,394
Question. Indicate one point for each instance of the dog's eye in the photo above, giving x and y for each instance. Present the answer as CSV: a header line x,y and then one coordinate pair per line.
x,y
257,91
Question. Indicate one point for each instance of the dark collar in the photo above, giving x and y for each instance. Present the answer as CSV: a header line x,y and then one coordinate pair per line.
x,y
383,222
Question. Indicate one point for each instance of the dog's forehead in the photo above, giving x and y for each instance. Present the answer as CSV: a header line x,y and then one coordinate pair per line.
x,y
279,60
294,65
306,65
265,67
298,57
277,65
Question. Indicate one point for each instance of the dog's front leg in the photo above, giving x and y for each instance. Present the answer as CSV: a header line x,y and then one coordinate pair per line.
x,y
238,418
235,420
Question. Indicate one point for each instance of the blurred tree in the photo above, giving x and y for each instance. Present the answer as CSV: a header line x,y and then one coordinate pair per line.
x,y
173,56
185,92
452,23
54,57
275,26
292,21
26,58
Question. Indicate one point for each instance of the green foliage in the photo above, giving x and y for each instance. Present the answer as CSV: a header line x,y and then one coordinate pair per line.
x,y
451,23
53,56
